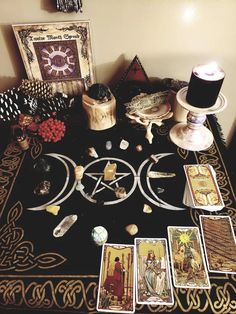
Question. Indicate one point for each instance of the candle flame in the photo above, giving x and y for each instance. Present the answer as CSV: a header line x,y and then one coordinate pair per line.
x,y
211,68
210,71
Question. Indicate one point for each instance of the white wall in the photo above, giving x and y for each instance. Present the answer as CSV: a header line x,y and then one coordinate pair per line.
x,y
169,37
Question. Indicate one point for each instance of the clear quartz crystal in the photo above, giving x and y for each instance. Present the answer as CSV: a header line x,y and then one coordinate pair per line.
x,y
64,225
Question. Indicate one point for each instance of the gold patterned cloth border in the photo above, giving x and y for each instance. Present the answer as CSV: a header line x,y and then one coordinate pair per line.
x,y
25,285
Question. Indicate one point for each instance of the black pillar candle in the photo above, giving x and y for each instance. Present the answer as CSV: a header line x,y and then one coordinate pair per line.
x,y
204,86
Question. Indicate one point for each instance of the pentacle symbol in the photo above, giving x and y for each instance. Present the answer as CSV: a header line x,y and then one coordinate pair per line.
x,y
150,195
105,190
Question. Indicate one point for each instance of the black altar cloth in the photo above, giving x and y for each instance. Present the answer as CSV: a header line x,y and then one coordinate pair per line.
x,y
43,274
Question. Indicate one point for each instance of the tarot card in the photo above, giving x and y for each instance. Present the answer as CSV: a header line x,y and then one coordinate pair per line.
x,y
187,259
116,281
153,281
219,243
201,190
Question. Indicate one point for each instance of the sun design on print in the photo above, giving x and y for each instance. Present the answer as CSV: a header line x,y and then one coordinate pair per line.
x,y
184,237
58,60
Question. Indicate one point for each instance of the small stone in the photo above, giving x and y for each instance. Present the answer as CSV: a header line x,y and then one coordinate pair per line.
x,y
43,188
53,209
79,172
64,225
124,144
99,235
139,148
120,192
160,190
92,152
147,209
42,165
132,229
154,158
79,186
110,172
108,145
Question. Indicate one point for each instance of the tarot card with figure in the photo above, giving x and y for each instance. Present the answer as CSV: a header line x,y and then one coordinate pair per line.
x,y
116,281
153,281
219,243
187,259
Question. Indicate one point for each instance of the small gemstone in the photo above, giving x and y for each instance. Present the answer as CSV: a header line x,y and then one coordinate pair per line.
x,y
160,190
108,145
147,209
132,229
124,144
64,225
43,188
92,152
139,148
154,158
53,209
42,165
120,192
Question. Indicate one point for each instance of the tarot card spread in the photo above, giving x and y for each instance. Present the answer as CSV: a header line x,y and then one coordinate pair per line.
x,y
116,282
153,283
219,243
187,259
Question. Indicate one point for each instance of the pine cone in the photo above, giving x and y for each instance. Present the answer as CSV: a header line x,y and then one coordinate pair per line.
x,y
36,89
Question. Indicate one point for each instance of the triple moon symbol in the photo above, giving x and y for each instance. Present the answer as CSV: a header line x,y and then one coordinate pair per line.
x,y
122,179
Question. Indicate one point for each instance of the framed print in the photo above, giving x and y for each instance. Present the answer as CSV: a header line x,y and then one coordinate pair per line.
x,y
59,53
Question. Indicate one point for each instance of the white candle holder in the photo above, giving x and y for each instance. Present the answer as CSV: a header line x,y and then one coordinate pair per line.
x,y
193,135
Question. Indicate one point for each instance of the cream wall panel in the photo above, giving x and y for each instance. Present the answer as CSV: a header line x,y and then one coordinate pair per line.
x,y
169,36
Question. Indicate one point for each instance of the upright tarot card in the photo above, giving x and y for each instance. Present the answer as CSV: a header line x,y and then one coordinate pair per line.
x,y
153,281
219,243
116,282
187,259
